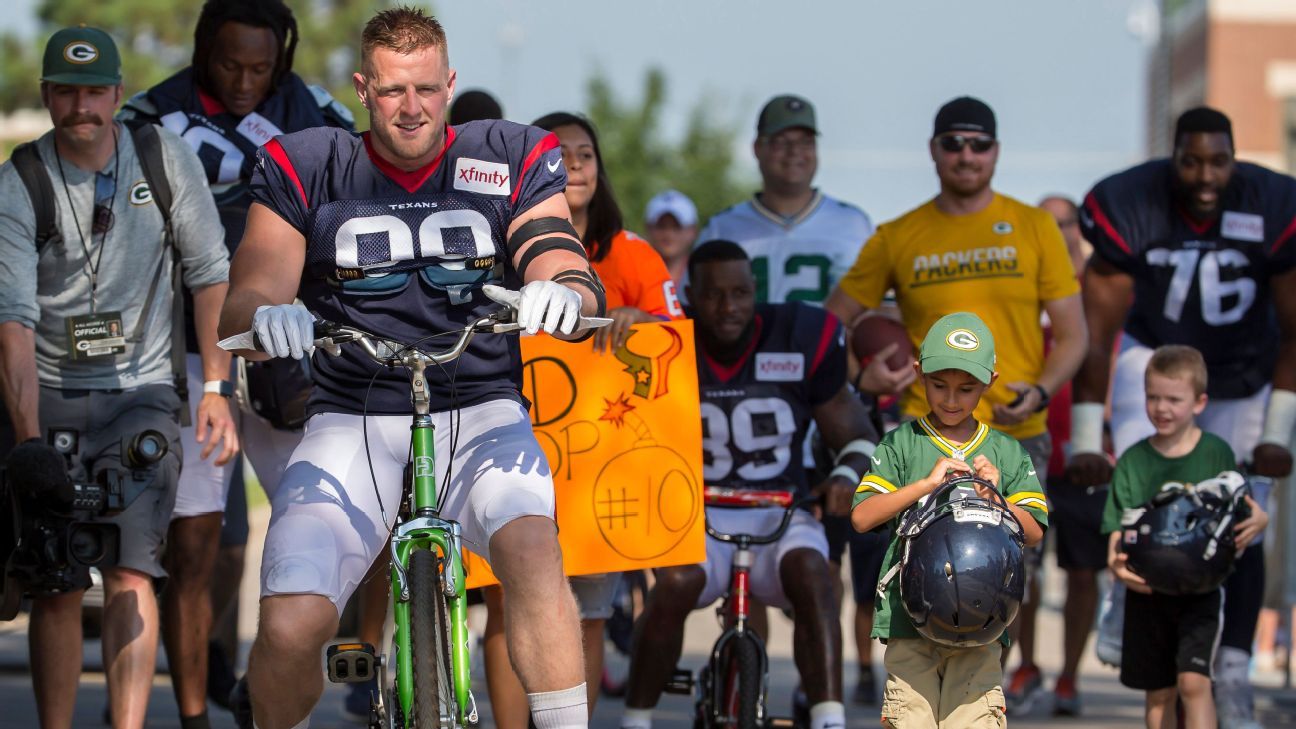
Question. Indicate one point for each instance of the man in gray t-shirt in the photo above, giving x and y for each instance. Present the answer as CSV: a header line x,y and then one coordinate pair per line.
x,y
83,348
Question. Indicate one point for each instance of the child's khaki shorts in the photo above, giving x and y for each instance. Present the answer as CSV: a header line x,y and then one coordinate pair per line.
x,y
930,686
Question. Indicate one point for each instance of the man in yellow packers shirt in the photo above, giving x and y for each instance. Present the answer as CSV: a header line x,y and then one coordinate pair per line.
x,y
972,249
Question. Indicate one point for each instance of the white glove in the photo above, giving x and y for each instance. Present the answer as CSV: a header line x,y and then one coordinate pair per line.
x,y
541,303
285,330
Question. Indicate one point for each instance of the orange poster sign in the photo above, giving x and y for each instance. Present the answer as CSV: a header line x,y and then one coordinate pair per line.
x,y
623,435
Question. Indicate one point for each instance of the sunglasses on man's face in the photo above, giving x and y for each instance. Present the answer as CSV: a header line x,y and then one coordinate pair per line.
x,y
956,142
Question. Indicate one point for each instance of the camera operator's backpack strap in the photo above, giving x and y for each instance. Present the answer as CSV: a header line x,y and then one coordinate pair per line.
x,y
148,146
31,170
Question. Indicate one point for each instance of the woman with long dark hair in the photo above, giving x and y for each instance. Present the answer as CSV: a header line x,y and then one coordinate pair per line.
x,y
639,290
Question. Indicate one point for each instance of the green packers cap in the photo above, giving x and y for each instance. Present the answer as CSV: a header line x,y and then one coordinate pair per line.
x,y
959,342
81,56
785,112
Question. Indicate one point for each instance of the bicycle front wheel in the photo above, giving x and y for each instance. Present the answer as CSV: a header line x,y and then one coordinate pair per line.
x,y
742,677
429,644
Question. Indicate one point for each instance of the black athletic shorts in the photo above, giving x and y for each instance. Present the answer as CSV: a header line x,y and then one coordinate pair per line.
x,y
1075,518
866,554
1166,635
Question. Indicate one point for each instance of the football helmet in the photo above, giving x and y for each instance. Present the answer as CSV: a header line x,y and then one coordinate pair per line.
x,y
1181,541
962,571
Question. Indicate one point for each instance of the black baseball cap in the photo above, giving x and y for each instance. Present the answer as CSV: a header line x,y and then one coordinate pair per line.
x,y
964,114
785,112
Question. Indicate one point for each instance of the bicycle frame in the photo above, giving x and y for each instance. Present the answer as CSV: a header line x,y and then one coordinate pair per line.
x,y
736,607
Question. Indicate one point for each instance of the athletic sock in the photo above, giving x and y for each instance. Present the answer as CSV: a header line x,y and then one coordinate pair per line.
x,y
1234,699
303,724
828,715
637,719
566,709
199,721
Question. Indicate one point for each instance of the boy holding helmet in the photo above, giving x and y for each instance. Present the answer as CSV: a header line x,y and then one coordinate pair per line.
x,y
1168,641
936,679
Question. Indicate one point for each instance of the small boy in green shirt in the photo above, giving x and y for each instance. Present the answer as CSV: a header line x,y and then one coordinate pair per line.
x,y
928,684
1168,641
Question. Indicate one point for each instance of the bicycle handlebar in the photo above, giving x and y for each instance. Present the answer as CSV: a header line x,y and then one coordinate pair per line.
x,y
755,498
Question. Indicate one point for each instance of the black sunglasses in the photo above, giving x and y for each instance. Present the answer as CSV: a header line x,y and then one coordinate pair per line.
x,y
956,143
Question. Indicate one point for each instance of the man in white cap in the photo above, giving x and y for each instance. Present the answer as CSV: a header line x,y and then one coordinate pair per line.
x,y
671,225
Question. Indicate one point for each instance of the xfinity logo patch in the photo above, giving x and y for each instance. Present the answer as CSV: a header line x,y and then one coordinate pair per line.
x,y
140,194
258,129
487,178
1243,226
80,52
780,366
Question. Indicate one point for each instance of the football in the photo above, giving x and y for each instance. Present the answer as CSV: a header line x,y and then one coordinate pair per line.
x,y
872,334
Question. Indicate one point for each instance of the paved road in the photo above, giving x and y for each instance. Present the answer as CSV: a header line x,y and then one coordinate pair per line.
x,y
1107,704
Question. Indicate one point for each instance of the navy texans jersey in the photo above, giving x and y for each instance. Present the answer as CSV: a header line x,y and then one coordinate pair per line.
x,y
1205,285
756,411
405,254
227,144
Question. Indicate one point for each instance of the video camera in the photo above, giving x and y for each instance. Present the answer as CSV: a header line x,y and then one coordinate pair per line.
x,y
51,538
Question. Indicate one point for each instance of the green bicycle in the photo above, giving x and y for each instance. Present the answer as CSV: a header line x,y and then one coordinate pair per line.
x,y
428,647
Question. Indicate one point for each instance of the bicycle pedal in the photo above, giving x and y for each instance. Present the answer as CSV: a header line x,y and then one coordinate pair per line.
x,y
681,682
351,662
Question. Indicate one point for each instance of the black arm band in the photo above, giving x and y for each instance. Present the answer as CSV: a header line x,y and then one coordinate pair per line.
x,y
589,280
539,226
544,245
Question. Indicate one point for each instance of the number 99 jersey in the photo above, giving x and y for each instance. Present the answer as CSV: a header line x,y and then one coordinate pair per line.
x,y
1204,284
757,410
404,254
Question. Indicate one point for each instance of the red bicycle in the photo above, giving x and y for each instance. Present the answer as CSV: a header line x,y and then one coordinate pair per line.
x,y
732,687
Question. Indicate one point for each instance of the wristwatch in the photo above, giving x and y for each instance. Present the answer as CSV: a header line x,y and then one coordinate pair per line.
x,y
1044,398
224,388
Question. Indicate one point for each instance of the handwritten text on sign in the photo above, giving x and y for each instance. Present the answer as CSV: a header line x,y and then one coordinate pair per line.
x,y
623,436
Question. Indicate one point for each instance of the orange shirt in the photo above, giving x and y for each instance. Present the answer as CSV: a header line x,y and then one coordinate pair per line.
x,y
634,274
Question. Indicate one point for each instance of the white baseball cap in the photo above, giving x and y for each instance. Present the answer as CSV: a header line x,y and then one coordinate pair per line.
x,y
674,203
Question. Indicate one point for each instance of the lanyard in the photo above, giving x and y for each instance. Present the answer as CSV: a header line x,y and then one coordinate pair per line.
x,y
92,267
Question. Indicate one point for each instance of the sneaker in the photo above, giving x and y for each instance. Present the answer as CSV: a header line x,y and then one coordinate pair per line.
x,y
1066,700
1025,683
241,704
865,687
359,699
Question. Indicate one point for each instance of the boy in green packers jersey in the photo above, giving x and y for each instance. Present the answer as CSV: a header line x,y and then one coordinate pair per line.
x,y
931,685
1168,641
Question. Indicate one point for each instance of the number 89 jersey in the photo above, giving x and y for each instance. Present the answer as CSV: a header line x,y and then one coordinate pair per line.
x,y
1206,284
404,254
757,410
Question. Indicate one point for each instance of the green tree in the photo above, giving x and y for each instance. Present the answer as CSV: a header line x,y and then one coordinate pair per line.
x,y
155,38
642,162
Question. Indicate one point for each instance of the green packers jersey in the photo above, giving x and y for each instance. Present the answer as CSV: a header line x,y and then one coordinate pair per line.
x,y
906,455
1142,470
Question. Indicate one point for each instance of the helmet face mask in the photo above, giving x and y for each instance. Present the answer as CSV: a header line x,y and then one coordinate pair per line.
x,y
962,571
1181,541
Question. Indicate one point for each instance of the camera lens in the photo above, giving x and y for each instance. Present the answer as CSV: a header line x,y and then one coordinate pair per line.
x,y
86,545
145,449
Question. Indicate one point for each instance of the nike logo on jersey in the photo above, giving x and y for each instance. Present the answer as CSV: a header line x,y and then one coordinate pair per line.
x,y
488,178
876,460
553,166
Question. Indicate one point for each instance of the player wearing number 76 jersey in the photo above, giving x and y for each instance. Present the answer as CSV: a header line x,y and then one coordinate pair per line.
x,y
1203,246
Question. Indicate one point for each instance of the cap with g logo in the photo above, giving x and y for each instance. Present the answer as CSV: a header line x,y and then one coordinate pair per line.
x,y
959,342
785,112
81,56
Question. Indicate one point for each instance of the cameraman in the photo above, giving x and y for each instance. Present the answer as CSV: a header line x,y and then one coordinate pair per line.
x,y
86,345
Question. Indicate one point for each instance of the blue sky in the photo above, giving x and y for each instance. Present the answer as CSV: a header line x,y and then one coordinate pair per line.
x,y
1066,78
